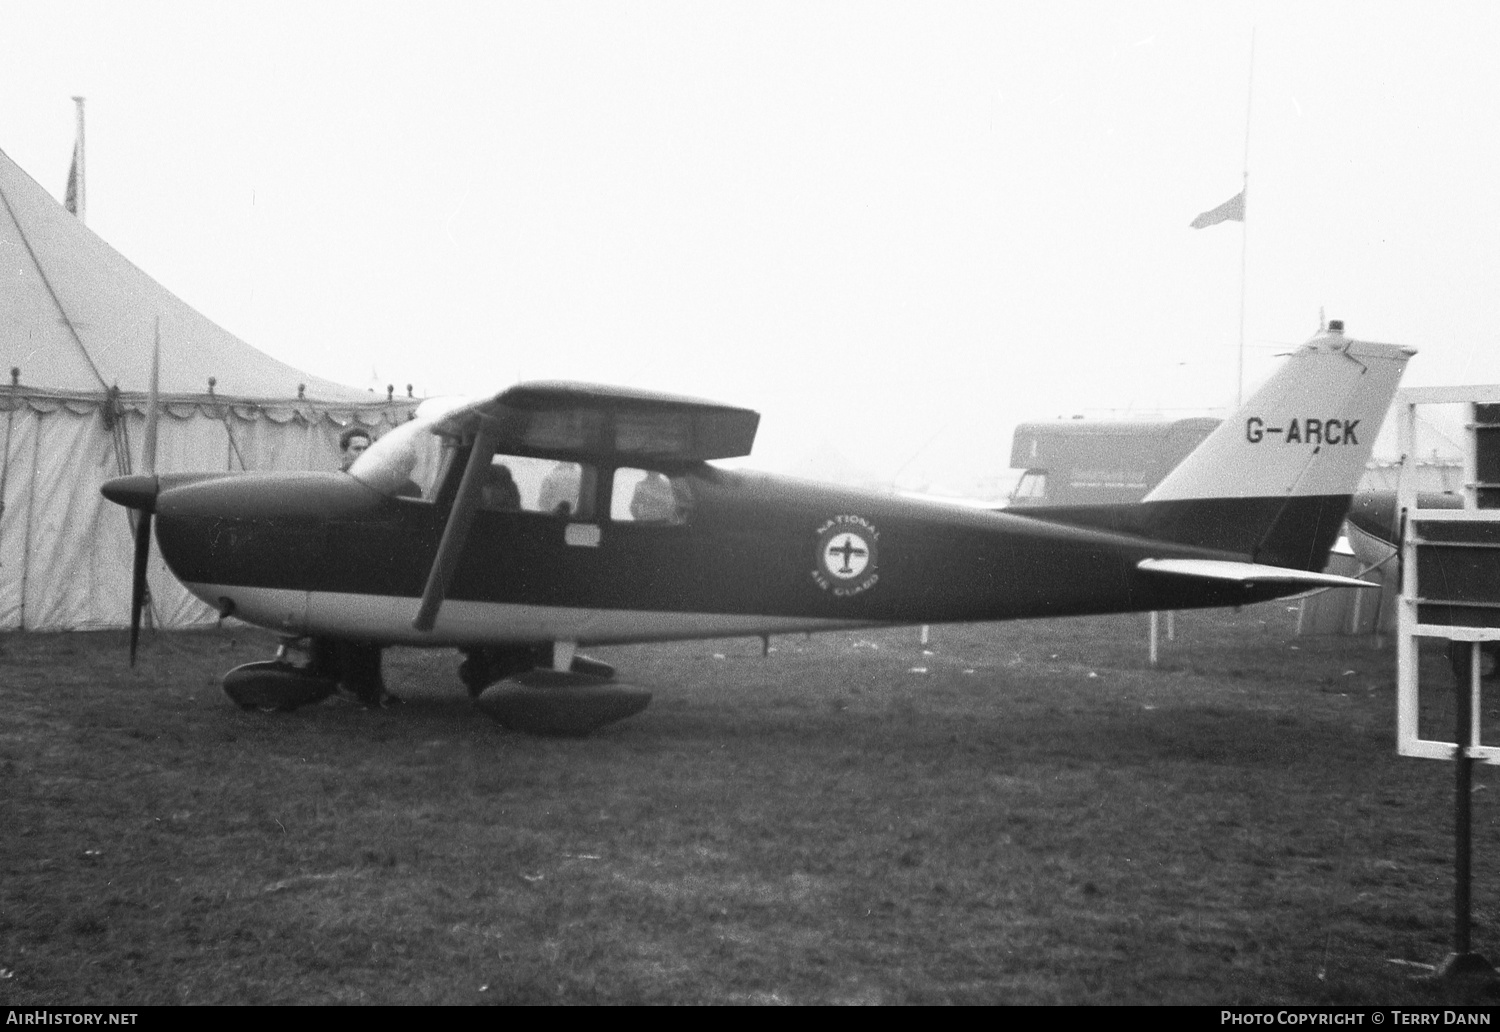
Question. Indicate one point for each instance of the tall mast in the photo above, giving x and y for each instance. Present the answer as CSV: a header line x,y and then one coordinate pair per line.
x,y
1239,390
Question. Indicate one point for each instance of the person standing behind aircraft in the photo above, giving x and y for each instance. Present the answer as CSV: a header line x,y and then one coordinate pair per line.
x,y
354,665
352,443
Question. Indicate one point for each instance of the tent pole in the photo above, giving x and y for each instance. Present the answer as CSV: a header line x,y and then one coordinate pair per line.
x,y
36,460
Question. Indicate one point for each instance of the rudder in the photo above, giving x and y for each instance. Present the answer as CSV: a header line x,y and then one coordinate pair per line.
x,y
1275,479
1273,482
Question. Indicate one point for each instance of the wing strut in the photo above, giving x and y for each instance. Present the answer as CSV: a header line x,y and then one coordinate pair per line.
x,y
457,530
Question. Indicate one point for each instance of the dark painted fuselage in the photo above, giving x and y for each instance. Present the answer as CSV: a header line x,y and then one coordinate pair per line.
x,y
755,553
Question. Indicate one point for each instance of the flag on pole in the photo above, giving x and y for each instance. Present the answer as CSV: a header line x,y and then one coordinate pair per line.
x,y
1232,210
76,200
70,201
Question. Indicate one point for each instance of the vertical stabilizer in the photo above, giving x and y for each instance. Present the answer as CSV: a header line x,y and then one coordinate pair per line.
x,y
1273,482
1307,432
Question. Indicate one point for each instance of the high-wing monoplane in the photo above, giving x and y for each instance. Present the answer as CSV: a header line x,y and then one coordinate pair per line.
x,y
557,515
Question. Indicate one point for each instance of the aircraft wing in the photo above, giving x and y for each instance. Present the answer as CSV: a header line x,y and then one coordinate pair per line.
x,y
562,419
1225,570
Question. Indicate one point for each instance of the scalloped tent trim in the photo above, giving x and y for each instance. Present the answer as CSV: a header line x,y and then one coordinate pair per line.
x,y
374,414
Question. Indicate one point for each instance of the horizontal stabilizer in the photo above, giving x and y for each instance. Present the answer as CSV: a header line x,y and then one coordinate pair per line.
x,y
1247,573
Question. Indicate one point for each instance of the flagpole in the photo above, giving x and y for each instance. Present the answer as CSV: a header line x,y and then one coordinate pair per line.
x,y
1239,390
78,155
153,407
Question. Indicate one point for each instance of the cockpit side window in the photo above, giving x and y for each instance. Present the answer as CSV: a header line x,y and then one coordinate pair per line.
x,y
648,496
519,483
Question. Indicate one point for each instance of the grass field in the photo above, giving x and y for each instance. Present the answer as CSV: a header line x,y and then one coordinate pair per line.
x,y
1024,813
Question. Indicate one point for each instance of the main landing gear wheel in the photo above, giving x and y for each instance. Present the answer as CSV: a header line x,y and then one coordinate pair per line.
x,y
483,667
275,685
561,704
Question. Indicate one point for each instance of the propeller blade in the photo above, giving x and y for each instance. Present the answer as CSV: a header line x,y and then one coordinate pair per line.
x,y
136,492
138,581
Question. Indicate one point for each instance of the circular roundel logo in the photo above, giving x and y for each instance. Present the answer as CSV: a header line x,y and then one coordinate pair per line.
x,y
847,555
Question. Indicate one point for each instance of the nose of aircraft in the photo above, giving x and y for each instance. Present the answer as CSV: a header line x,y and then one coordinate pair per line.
x,y
133,492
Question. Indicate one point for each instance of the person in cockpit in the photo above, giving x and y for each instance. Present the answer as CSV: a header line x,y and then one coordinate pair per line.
x,y
560,489
653,500
499,491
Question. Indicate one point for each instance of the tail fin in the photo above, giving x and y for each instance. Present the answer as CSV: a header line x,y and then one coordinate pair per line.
x,y
1307,432
1273,482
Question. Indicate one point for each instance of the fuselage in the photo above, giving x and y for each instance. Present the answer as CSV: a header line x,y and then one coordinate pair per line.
x,y
752,553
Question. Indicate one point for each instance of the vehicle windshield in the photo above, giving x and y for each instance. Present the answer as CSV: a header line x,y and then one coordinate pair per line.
x,y
404,462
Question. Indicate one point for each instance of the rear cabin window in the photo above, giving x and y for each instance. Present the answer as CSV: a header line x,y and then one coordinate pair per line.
x,y
646,496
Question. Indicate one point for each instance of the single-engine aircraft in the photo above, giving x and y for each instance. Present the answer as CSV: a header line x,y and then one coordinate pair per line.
x,y
561,515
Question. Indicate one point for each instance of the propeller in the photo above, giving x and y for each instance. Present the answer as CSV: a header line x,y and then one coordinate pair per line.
x,y
136,492
138,581
146,493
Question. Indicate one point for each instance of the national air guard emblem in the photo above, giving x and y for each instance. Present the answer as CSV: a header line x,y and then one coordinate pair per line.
x,y
846,556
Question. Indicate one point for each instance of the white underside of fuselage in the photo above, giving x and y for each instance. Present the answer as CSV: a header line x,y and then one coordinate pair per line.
x,y
388,619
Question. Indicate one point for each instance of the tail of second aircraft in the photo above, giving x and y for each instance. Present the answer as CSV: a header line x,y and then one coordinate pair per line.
x,y
1273,482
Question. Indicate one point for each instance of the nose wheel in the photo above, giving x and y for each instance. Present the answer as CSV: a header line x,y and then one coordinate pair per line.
x,y
275,686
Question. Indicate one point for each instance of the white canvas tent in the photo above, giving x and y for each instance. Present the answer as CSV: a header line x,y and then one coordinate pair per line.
x,y
78,327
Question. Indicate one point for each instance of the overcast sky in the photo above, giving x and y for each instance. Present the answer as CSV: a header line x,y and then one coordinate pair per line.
x,y
895,229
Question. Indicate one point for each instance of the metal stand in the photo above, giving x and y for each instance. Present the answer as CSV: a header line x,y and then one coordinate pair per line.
x,y
1450,589
1463,963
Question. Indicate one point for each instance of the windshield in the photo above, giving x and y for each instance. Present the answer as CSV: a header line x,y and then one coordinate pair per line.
x,y
405,461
